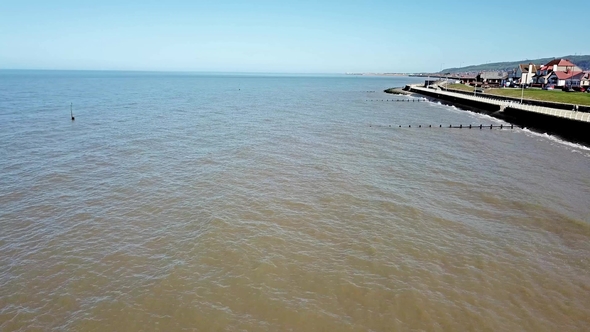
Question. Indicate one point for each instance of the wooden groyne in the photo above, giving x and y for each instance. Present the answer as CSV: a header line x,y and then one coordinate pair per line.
x,y
406,100
470,126
570,125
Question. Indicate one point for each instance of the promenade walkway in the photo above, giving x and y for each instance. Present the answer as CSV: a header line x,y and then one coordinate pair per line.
x,y
503,104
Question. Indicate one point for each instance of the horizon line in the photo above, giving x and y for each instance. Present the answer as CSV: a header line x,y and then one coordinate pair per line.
x,y
175,71
349,73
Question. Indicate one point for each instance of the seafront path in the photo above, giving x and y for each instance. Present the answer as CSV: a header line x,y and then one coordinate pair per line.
x,y
503,104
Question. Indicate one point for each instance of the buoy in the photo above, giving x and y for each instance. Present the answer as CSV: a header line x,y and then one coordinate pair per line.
x,y
72,112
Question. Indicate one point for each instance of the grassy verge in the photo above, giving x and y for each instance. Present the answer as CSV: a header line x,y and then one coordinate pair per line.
x,y
557,96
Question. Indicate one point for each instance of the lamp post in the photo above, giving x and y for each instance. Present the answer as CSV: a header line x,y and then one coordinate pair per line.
x,y
441,68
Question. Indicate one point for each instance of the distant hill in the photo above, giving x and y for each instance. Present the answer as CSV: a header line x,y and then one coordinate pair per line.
x,y
583,61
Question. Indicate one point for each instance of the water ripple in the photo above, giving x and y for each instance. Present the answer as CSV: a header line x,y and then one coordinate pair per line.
x,y
173,204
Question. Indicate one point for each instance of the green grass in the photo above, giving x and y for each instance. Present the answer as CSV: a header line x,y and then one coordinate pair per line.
x,y
557,96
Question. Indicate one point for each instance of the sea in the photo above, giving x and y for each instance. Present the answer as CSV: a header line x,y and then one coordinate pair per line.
x,y
270,202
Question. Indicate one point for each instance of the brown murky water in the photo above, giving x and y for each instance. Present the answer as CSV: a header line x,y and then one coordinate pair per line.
x,y
172,204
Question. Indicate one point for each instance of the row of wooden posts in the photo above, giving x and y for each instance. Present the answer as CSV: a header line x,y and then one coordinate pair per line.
x,y
399,100
481,126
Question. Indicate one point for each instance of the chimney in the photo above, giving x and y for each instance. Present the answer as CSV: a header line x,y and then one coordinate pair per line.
x,y
529,74
554,67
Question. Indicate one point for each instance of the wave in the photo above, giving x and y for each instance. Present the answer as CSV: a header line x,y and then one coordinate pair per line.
x,y
579,148
477,115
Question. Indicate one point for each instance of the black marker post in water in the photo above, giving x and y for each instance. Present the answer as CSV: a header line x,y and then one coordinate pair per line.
x,y
72,112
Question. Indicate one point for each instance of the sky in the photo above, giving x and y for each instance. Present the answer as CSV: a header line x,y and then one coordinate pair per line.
x,y
300,36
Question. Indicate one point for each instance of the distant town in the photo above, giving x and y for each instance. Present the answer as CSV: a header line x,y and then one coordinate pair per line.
x,y
557,73
560,73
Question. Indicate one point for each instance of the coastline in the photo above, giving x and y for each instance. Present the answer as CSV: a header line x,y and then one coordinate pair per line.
x,y
566,128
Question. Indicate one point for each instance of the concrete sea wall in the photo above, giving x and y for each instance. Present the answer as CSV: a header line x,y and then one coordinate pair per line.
x,y
566,128
562,106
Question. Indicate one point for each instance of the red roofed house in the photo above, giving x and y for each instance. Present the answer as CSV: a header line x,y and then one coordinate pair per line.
x,y
579,80
556,66
559,78
562,65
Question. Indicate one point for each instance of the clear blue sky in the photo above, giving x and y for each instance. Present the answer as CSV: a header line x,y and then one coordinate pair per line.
x,y
286,36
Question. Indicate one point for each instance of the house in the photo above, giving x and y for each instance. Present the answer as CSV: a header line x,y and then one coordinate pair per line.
x,y
561,65
541,79
581,79
524,73
544,73
466,78
492,77
559,78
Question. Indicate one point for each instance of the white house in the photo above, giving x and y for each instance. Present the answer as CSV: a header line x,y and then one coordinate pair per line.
x,y
525,72
559,78
545,75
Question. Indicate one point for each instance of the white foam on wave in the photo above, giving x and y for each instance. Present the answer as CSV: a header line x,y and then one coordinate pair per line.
x,y
578,148
480,116
489,118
